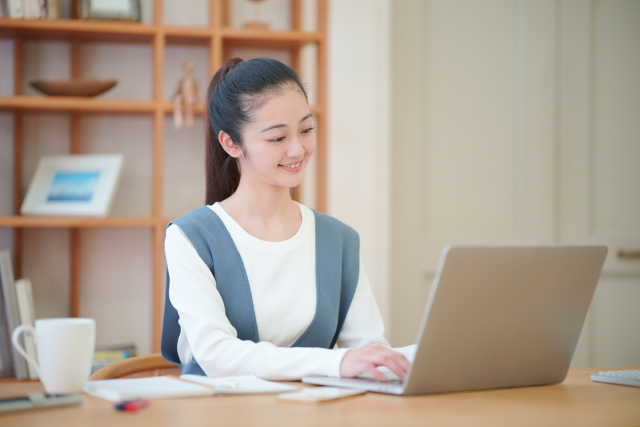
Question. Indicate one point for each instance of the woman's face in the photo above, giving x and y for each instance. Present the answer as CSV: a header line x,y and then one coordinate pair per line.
x,y
280,140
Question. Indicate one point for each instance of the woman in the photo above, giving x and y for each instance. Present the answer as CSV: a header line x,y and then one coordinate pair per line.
x,y
257,283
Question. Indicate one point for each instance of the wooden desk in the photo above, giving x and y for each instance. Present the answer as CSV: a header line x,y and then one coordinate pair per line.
x,y
576,402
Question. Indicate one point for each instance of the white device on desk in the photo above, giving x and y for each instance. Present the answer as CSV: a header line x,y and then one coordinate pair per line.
x,y
496,317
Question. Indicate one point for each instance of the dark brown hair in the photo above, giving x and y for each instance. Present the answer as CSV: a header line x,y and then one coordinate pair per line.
x,y
236,90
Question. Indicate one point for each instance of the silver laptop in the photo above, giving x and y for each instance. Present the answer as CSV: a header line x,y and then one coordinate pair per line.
x,y
497,317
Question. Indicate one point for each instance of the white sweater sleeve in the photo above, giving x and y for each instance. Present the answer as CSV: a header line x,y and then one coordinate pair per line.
x,y
363,325
211,337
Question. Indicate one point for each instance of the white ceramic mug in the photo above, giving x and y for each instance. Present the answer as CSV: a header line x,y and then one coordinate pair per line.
x,y
64,348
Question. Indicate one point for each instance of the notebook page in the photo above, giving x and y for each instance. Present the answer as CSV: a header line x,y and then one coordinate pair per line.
x,y
150,388
243,384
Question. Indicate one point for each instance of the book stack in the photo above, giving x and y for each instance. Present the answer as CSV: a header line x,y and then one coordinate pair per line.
x,y
106,355
16,308
30,9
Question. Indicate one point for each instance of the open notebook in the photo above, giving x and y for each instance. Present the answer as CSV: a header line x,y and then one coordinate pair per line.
x,y
169,387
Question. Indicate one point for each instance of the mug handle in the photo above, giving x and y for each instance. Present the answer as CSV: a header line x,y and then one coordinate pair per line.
x,y
14,340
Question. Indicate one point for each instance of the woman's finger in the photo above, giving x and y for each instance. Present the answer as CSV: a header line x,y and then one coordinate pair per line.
x,y
384,353
394,366
376,373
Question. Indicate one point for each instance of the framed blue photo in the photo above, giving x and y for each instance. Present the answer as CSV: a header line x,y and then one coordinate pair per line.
x,y
81,184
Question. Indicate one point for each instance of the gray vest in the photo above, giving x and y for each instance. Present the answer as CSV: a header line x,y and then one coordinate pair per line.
x,y
337,272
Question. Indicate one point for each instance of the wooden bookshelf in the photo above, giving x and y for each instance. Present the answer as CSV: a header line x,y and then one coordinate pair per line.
x,y
220,40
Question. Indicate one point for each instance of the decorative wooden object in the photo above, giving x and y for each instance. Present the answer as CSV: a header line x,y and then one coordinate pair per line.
x,y
220,40
185,98
73,87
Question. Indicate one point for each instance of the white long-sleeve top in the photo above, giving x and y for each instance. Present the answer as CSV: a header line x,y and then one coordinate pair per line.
x,y
282,279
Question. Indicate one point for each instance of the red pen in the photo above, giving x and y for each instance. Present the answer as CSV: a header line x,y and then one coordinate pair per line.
x,y
132,405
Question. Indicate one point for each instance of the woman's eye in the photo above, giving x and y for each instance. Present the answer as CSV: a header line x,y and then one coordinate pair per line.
x,y
308,130
278,139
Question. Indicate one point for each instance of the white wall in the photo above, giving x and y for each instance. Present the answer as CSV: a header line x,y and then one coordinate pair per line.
x,y
359,140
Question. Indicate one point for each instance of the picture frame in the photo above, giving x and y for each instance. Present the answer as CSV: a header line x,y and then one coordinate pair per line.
x,y
128,10
78,184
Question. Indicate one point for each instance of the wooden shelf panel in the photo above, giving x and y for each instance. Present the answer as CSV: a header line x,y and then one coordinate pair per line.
x,y
94,30
198,109
36,221
93,105
123,31
188,35
75,104
242,37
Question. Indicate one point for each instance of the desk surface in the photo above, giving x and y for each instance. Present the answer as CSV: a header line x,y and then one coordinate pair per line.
x,y
576,402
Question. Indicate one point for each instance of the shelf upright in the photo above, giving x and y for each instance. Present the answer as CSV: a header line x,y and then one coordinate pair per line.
x,y
321,147
18,151
76,148
296,25
158,230
219,10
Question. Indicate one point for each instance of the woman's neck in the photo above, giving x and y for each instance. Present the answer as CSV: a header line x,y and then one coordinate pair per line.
x,y
266,212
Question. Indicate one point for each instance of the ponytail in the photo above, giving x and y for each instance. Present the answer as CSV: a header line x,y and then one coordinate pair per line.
x,y
234,92
222,172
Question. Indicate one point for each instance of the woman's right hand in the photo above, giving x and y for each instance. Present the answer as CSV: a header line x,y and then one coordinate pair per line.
x,y
367,359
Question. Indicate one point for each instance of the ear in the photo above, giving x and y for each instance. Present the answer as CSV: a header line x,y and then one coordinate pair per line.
x,y
228,145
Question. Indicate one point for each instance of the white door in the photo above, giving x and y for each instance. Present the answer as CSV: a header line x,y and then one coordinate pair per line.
x,y
600,166
474,136
518,122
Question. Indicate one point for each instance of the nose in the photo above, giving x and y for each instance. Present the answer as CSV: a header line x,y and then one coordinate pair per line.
x,y
295,150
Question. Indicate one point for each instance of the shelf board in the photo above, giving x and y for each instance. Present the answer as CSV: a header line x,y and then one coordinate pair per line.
x,y
198,109
37,221
85,29
95,105
243,37
75,104
135,32
188,35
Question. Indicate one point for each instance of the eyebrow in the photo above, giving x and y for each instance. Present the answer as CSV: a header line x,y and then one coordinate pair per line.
x,y
282,125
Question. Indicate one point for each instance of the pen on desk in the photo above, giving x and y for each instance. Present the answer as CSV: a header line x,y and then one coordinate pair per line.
x,y
218,385
226,385
132,405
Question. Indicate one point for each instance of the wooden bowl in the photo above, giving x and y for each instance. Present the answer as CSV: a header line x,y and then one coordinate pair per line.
x,y
74,87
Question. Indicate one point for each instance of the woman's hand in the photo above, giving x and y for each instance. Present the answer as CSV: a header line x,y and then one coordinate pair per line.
x,y
366,359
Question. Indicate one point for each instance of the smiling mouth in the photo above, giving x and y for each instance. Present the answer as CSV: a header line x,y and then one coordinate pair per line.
x,y
293,166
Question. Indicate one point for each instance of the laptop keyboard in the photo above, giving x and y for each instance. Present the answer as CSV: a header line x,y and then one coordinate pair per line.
x,y
391,377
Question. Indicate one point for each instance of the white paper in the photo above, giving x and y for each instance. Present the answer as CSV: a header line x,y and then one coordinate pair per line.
x,y
150,388
244,384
